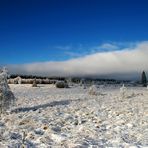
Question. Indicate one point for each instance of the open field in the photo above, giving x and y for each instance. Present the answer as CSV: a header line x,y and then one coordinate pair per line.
x,y
46,116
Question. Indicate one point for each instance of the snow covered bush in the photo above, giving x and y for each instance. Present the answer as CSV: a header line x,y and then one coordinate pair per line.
x,y
19,80
69,81
61,84
93,90
123,91
83,83
34,83
6,96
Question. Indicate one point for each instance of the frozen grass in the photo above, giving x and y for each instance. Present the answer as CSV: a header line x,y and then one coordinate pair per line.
x,y
46,116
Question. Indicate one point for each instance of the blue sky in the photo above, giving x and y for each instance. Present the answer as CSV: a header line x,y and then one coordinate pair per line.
x,y
58,30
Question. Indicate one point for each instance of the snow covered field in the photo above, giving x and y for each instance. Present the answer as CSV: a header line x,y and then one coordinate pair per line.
x,y
45,117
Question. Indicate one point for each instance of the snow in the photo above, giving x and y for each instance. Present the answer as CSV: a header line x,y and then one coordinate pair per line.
x,y
71,117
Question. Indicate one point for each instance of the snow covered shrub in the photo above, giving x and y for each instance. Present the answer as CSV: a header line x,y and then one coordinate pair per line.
x,y
17,80
93,90
123,91
61,84
34,83
69,81
6,96
83,83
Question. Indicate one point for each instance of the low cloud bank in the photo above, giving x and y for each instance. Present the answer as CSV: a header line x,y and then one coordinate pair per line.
x,y
120,64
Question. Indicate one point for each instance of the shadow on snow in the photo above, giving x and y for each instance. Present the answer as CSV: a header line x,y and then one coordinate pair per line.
x,y
34,108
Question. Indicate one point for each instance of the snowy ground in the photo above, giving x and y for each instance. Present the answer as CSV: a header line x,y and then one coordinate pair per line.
x,y
45,117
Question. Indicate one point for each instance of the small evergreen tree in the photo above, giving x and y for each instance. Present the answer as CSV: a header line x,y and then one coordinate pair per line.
x,y
6,96
144,79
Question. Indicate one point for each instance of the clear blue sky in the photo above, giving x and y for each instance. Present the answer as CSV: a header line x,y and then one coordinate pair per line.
x,y
57,30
